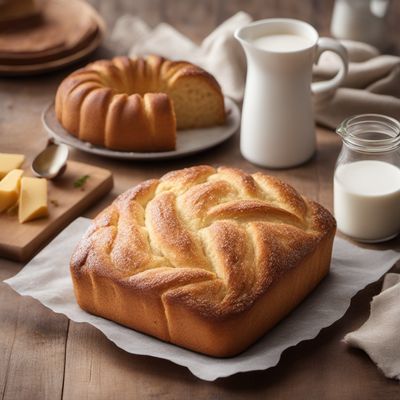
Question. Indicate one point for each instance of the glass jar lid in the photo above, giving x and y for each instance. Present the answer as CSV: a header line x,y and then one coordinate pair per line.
x,y
370,133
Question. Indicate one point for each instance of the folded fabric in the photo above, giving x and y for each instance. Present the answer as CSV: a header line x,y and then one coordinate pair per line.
x,y
372,84
379,337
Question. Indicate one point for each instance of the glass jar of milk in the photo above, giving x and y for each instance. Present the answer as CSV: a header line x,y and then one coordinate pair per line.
x,y
367,178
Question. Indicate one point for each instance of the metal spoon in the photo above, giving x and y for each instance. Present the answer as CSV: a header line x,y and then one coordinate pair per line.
x,y
52,161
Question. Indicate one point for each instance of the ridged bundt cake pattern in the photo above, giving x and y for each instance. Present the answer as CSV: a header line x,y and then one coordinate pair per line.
x,y
136,104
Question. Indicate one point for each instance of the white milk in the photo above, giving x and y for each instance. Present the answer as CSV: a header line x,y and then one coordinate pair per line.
x,y
282,43
367,200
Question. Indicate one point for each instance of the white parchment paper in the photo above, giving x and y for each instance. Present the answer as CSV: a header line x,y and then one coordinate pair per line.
x,y
47,279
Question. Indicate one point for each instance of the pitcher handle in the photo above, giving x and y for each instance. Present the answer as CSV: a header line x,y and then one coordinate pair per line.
x,y
328,44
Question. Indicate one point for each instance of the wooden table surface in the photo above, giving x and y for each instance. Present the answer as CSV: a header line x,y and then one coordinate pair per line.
x,y
45,356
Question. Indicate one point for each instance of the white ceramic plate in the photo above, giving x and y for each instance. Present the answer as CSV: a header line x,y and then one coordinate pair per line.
x,y
188,141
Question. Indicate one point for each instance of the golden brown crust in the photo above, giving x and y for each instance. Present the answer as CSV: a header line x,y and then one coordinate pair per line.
x,y
191,257
135,104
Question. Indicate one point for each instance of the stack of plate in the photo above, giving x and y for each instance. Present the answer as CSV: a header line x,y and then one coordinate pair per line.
x,y
64,32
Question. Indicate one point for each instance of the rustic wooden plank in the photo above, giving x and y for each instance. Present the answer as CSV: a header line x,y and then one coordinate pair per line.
x,y
113,373
295,9
270,8
256,8
32,346
191,17
322,13
148,10
329,145
316,12
9,307
393,18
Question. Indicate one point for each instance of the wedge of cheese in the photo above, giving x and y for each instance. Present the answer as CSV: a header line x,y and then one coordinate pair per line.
x,y
8,162
32,199
9,189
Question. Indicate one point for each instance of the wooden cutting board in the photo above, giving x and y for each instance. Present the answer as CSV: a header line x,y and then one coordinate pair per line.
x,y
21,241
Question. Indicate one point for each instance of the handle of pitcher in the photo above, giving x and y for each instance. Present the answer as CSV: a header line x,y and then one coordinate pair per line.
x,y
328,44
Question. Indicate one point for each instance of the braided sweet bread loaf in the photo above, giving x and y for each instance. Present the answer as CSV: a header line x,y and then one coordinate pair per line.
x,y
136,104
206,259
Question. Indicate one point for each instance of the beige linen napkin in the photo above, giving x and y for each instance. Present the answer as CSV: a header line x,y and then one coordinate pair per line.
x,y
372,85
379,337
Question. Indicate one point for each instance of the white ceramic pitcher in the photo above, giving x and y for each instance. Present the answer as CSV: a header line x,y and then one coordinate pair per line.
x,y
277,128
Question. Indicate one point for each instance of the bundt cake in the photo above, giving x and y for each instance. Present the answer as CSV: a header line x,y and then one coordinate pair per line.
x,y
136,104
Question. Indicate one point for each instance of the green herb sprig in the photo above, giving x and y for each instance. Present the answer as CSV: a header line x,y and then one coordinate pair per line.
x,y
80,182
